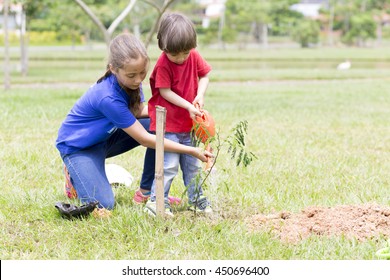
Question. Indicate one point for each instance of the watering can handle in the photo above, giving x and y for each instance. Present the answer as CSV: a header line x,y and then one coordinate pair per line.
x,y
203,118
197,106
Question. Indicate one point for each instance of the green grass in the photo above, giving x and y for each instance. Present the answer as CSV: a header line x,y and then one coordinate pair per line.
x,y
53,65
322,138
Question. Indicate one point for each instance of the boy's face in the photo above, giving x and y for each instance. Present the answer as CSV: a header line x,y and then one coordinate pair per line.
x,y
132,73
178,58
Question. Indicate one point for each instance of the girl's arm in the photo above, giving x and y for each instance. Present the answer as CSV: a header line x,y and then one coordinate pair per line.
x,y
138,132
143,111
177,100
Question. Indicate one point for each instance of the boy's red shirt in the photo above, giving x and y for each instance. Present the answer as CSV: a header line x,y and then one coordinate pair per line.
x,y
182,79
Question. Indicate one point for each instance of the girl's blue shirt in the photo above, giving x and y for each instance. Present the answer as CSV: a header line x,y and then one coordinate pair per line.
x,y
96,116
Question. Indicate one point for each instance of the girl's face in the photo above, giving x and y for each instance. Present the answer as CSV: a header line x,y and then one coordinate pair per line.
x,y
132,73
178,58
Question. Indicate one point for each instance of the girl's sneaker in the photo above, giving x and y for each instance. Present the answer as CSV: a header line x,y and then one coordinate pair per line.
x,y
141,198
69,189
201,205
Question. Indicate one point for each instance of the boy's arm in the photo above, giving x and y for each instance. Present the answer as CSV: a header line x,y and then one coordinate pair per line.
x,y
202,87
175,99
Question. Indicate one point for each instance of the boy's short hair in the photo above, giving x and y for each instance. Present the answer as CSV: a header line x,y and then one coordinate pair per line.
x,y
176,34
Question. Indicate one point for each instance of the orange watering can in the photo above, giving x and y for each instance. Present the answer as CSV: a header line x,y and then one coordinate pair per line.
x,y
204,128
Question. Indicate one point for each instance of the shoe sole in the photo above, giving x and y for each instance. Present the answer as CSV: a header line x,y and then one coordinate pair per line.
x,y
152,213
197,210
139,202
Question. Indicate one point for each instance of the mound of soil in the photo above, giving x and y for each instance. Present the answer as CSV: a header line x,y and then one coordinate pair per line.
x,y
352,221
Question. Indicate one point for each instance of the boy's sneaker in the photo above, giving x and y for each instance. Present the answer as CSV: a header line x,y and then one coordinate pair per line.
x,y
69,189
201,205
151,209
141,198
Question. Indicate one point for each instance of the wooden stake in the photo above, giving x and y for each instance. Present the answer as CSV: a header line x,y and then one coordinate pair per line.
x,y
159,172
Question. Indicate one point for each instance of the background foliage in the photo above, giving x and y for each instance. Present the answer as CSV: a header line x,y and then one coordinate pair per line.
x,y
357,21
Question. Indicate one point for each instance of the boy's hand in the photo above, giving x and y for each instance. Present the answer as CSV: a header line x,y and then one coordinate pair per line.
x,y
194,111
198,102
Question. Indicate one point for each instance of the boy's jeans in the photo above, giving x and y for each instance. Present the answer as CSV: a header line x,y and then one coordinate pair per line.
x,y
190,167
87,167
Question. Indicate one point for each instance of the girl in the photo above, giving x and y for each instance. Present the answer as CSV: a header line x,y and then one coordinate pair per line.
x,y
110,119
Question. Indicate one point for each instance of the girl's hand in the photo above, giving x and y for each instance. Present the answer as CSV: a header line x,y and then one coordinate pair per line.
x,y
203,155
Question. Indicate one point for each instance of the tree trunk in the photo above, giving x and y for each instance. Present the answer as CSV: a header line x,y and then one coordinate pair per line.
x,y
95,20
160,11
107,32
330,29
7,82
136,30
220,30
23,45
264,35
379,32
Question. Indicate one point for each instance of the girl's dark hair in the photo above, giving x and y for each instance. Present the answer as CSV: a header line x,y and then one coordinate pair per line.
x,y
176,34
124,48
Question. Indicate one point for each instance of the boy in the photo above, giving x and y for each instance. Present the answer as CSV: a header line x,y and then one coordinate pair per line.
x,y
178,83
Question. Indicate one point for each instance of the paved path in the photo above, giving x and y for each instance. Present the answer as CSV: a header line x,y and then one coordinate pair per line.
x,y
85,85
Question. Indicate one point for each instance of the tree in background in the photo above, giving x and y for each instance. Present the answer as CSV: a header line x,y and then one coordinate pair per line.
x,y
283,18
362,28
362,24
106,31
160,8
356,20
328,19
306,32
72,26
248,19
253,21
245,22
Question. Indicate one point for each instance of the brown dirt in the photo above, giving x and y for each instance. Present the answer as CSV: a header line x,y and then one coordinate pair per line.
x,y
352,221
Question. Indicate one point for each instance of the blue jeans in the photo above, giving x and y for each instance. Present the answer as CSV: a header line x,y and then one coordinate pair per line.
x,y
190,167
87,167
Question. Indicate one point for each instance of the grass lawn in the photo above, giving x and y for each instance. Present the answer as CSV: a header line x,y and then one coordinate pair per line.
x,y
321,137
